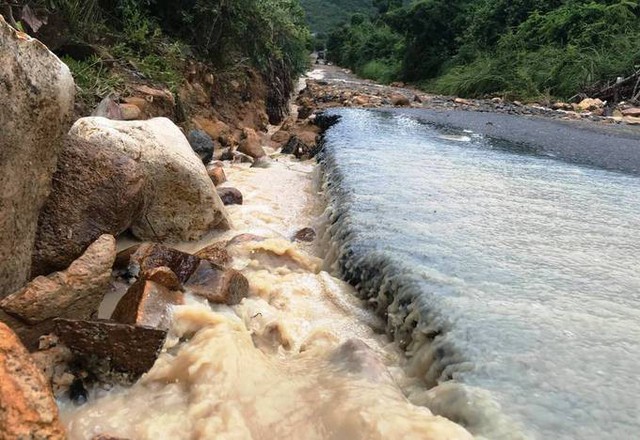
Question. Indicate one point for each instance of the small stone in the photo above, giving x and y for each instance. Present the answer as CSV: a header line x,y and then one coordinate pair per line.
x,y
217,285
127,348
305,234
399,100
147,303
202,144
216,254
280,136
296,147
130,112
590,104
230,196
108,108
217,175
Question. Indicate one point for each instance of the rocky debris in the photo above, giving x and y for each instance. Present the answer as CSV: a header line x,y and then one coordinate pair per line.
x,y
144,258
216,254
217,175
159,102
28,409
124,347
399,100
54,360
95,191
147,303
74,293
217,285
305,234
37,92
182,201
296,147
202,144
280,136
230,196
250,144
217,130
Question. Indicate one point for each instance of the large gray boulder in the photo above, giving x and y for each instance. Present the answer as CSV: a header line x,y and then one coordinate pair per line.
x,y
182,203
37,95
95,191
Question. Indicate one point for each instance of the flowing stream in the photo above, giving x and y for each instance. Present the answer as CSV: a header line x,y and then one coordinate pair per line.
x,y
510,279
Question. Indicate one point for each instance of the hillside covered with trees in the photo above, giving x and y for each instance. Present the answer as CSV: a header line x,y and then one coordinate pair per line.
x,y
325,15
522,49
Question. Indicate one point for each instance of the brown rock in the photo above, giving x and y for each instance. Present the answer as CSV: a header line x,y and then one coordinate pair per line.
x,y
95,191
54,363
130,112
147,303
305,234
75,293
160,102
27,409
217,285
230,196
633,112
143,258
399,100
280,136
590,104
216,254
128,348
163,276
250,144
37,92
361,100
217,130
217,175
141,103
296,147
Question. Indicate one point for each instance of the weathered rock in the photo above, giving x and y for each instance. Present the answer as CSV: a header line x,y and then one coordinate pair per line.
x,y
280,136
360,100
262,162
217,285
28,409
399,100
74,293
217,130
217,175
216,254
148,304
633,112
130,112
95,191
183,203
142,259
164,276
590,104
37,92
238,157
126,347
250,144
140,103
305,234
202,144
230,196
296,147
54,363
108,108
160,102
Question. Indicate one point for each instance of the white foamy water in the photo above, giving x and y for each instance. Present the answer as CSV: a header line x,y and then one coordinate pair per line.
x,y
503,272
299,359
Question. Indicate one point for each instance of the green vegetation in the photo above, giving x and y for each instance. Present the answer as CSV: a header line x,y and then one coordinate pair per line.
x,y
325,15
152,38
520,49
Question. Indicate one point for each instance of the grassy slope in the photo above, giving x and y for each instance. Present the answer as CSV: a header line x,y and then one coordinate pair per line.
x,y
324,15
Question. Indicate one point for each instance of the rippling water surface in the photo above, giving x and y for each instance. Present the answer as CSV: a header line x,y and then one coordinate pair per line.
x,y
519,273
